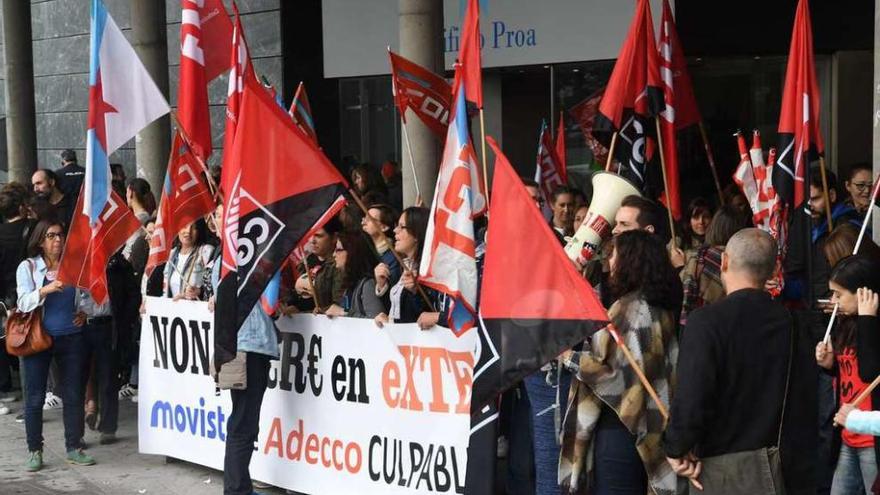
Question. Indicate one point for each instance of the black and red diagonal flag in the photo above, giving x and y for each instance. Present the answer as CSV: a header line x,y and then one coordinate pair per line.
x,y
633,97
800,139
284,191
532,311
428,95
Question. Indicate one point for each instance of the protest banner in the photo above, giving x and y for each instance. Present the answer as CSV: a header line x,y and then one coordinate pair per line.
x,y
350,408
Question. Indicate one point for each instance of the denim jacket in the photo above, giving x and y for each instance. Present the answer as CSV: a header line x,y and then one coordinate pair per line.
x,y
27,287
257,333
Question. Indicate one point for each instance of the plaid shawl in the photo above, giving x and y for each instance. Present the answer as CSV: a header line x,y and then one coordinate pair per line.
x,y
701,278
605,376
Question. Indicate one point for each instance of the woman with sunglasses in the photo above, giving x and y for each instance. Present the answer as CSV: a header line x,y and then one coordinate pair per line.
x,y
39,289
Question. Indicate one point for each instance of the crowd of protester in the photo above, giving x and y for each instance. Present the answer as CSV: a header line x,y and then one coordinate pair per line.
x,y
697,309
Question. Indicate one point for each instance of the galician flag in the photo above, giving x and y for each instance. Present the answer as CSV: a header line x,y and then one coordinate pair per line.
x,y
123,99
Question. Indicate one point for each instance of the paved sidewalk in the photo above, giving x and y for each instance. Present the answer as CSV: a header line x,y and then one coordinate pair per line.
x,y
120,470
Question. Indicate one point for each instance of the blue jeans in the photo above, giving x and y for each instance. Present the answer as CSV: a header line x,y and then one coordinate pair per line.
x,y
856,471
99,347
619,469
244,427
516,425
70,353
542,397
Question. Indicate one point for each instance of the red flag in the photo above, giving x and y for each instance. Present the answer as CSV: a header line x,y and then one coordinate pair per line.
x,y
584,114
301,113
242,72
548,167
285,189
185,198
428,95
197,53
560,147
633,97
669,117
88,250
555,307
800,139
686,112
469,53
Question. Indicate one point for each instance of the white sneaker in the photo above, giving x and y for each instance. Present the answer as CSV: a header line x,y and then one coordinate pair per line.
x,y
127,391
4,410
52,401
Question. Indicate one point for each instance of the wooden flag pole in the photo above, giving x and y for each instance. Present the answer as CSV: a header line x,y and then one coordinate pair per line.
x,y
611,152
310,279
711,159
665,181
485,168
825,193
360,203
865,393
412,162
641,374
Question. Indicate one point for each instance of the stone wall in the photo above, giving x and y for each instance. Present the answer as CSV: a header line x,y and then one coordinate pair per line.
x,y
61,64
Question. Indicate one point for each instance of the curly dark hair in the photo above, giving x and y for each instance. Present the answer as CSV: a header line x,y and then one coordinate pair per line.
x,y
642,265
360,261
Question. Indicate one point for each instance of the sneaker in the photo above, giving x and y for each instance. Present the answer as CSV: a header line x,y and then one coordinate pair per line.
x,y
35,461
8,397
52,401
128,392
260,484
79,458
134,399
3,410
19,418
107,438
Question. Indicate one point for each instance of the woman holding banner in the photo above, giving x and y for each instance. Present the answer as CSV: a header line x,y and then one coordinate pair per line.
x,y
406,301
621,436
39,290
355,257
852,358
189,261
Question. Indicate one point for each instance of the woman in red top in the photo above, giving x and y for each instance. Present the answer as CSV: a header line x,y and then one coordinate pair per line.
x,y
854,283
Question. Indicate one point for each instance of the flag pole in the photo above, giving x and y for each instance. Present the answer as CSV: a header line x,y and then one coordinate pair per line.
x,y
825,195
611,152
412,163
665,181
485,169
711,159
360,203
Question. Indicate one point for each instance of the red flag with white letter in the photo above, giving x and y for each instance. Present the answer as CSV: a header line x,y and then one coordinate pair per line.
x,y
88,249
199,57
799,136
428,95
185,198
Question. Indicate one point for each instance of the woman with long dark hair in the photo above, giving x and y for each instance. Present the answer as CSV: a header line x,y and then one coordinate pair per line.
x,y
623,436
39,289
696,222
854,358
406,303
188,262
355,257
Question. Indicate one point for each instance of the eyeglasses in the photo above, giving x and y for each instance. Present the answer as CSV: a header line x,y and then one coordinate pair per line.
x,y
54,235
340,250
863,186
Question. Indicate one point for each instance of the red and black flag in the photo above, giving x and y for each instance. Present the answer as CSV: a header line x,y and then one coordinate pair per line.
x,y
633,98
532,311
285,190
800,139
428,95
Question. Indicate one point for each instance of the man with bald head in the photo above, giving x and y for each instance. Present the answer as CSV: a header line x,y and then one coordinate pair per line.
x,y
732,371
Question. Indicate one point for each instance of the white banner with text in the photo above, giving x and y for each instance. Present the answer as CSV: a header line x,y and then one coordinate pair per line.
x,y
349,408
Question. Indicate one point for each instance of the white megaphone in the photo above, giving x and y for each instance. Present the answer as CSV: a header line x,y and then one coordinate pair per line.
x,y
609,190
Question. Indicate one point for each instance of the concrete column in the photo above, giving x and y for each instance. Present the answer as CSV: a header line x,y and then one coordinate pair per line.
x,y
876,109
21,128
149,39
421,35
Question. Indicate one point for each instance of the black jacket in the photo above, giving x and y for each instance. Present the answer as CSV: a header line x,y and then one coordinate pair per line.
x,y
731,373
70,179
125,297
